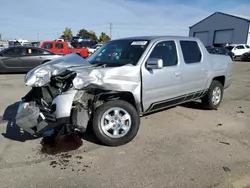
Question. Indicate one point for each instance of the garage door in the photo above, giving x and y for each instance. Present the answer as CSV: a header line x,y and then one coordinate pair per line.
x,y
223,36
203,36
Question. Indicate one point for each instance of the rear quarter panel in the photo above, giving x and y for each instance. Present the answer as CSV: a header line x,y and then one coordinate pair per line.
x,y
220,65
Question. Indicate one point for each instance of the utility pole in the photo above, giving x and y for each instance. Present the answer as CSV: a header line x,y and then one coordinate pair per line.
x,y
38,37
110,30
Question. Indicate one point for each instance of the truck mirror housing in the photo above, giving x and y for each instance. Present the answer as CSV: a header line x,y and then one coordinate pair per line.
x,y
154,63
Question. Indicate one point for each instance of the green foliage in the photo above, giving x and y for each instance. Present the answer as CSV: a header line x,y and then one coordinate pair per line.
x,y
83,33
87,34
104,37
67,34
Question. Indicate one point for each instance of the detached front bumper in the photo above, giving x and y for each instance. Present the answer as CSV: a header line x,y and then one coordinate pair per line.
x,y
35,120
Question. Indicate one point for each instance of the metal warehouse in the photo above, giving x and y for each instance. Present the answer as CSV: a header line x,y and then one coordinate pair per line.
x,y
220,29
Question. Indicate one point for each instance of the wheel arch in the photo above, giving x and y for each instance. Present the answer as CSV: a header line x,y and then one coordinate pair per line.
x,y
220,79
121,95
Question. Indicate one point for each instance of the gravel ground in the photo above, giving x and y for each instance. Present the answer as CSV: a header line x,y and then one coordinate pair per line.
x,y
184,147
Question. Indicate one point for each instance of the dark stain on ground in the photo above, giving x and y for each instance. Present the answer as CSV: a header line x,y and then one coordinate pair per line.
x,y
69,143
60,153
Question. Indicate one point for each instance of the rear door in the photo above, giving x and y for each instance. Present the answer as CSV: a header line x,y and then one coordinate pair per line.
x,y
60,48
194,69
10,58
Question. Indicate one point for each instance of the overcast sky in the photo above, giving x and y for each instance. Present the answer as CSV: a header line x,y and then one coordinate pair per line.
x,y
30,19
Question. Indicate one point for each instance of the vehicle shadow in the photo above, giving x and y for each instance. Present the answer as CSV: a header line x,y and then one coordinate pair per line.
x,y
89,135
197,105
13,132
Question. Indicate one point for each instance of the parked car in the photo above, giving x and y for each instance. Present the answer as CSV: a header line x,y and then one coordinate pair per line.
x,y
221,51
78,42
125,79
63,48
23,58
238,50
245,57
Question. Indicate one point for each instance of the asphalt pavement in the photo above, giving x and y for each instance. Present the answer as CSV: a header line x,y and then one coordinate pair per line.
x,y
182,147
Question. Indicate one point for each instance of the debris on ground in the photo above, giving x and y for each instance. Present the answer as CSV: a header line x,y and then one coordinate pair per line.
x,y
226,169
219,124
240,112
66,161
2,120
226,143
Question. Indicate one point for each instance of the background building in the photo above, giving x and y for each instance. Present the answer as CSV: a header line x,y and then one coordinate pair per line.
x,y
220,29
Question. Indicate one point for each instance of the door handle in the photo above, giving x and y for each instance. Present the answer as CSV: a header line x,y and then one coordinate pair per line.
x,y
204,70
177,74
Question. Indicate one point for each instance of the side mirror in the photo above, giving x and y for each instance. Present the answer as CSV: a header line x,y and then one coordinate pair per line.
x,y
154,63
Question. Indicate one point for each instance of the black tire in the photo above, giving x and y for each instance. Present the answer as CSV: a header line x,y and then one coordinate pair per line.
x,y
207,99
104,138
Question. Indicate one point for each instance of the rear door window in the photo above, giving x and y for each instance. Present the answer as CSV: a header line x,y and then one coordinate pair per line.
x,y
59,45
31,51
191,51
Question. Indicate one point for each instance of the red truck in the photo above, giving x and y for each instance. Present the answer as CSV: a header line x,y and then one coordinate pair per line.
x,y
59,47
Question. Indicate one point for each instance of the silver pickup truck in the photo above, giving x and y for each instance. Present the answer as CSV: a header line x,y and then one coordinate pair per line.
x,y
123,80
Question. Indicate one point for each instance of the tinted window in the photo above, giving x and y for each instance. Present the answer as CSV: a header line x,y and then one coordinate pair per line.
x,y
13,52
59,45
240,47
247,46
48,46
229,47
167,52
31,51
191,51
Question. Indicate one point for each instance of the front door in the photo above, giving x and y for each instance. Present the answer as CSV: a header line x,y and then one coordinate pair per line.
x,y
11,59
162,87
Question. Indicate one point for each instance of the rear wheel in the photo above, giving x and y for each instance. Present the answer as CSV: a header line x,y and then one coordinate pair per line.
x,y
116,123
213,98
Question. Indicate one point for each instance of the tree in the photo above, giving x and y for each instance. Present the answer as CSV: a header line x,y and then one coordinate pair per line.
x,y
83,33
104,37
67,34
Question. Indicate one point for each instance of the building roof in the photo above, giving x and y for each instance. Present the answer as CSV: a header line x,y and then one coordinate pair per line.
x,y
246,18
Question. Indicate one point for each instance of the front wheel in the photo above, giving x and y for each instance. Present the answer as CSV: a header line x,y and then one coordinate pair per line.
x,y
116,123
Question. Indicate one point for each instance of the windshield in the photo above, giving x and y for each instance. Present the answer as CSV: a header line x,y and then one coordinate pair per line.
x,y
119,52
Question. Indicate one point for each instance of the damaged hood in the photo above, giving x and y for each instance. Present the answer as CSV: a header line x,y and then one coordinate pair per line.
x,y
120,78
